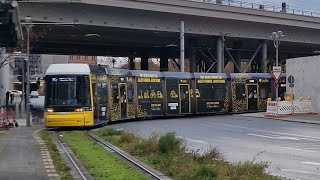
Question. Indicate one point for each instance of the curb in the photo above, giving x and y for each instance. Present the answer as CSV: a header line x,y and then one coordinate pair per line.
x,y
288,120
47,160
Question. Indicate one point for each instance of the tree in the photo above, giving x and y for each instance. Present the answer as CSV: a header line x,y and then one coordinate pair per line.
x,y
7,57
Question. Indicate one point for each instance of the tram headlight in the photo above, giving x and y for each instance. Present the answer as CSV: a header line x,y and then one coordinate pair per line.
x,y
50,110
86,109
83,109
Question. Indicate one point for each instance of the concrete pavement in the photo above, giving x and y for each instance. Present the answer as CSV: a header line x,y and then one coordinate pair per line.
x,y
20,156
292,148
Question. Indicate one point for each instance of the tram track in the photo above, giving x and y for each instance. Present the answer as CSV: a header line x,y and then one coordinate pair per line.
x,y
74,163
149,172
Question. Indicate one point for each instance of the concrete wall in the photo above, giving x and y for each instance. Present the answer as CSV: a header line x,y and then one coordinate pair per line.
x,y
307,81
6,78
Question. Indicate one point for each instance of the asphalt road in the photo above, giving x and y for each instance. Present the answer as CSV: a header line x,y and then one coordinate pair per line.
x,y
293,149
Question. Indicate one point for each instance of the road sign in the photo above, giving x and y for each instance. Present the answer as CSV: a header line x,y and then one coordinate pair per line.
x,y
276,75
291,85
276,84
291,79
276,68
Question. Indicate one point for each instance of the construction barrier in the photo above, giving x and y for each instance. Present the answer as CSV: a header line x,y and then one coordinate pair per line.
x,y
283,108
4,119
14,121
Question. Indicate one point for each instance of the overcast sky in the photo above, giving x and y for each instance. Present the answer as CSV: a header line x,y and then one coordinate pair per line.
x,y
296,4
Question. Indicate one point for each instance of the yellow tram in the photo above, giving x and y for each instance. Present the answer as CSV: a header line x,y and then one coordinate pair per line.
x,y
82,95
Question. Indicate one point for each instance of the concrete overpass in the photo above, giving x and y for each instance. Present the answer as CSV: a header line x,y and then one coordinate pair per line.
x,y
150,28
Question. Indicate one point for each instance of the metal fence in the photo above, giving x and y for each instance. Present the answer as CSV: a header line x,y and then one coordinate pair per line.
x,y
262,7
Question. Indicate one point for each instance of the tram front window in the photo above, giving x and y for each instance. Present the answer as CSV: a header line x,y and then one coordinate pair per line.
x,y
66,93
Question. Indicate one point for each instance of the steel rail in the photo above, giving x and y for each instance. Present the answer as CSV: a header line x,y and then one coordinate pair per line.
x,y
142,168
70,157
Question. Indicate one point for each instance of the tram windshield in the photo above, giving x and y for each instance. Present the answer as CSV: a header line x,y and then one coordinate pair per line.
x,y
68,91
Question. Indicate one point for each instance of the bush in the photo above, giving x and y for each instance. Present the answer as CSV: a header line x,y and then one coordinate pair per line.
x,y
209,156
169,154
126,137
151,145
111,132
169,142
205,172
249,169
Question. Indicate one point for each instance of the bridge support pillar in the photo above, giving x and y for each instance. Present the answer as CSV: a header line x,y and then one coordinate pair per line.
x,y
132,63
193,60
220,55
164,60
144,62
238,61
264,60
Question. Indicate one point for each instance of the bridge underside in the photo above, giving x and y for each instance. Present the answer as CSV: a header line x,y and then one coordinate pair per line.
x,y
98,40
129,32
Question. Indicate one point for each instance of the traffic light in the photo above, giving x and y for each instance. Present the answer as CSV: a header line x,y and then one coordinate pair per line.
x,y
8,34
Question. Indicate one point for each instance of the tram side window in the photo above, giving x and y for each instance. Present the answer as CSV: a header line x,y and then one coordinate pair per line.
x,y
207,90
219,92
115,92
94,92
130,93
240,91
102,93
263,92
84,90
212,92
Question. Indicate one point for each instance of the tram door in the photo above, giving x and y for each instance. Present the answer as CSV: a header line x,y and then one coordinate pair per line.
x,y
123,99
252,97
184,97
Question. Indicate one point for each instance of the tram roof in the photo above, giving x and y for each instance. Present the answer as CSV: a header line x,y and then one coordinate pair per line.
x,y
68,69
250,75
177,74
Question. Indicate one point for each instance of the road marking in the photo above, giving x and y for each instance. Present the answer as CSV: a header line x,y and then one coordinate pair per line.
x,y
275,132
311,163
299,171
231,139
294,149
230,129
257,135
288,138
317,145
293,129
237,130
273,137
194,140
207,125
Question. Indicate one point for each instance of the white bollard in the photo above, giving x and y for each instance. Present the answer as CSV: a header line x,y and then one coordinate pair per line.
x,y
17,110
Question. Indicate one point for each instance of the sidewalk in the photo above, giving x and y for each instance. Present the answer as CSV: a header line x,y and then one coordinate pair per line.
x,y
303,118
20,156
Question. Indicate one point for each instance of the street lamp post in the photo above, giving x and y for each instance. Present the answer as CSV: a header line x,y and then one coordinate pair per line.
x,y
276,41
28,27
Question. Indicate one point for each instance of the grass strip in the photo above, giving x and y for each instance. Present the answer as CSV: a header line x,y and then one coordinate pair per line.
x,y
100,163
60,165
169,154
